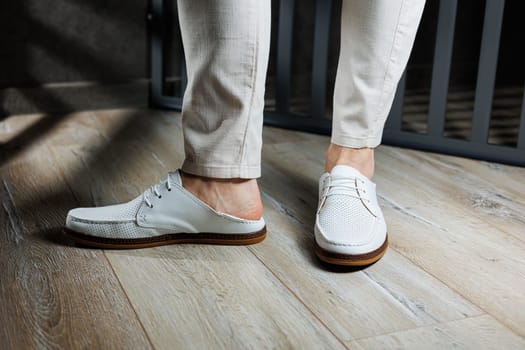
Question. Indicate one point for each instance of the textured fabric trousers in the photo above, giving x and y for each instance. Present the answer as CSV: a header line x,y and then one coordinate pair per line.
x,y
226,44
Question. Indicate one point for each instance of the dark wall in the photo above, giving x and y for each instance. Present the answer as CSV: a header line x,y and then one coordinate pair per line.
x,y
72,40
58,55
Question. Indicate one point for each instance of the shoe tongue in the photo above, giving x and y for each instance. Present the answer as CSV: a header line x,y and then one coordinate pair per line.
x,y
346,171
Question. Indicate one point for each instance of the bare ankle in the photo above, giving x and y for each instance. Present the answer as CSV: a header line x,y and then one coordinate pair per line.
x,y
361,159
237,197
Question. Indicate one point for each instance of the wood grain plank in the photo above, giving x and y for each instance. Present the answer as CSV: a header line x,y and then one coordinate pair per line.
x,y
509,180
52,295
493,191
215,297
123,154
482,332
454,241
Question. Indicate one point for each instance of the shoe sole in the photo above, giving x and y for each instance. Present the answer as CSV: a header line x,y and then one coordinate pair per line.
x,y
351,260
175,238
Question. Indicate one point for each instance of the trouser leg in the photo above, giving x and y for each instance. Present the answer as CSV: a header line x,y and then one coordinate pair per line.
x,y
376,40
226,44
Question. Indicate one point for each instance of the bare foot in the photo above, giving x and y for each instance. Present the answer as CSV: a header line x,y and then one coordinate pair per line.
x,y
237,197
361,159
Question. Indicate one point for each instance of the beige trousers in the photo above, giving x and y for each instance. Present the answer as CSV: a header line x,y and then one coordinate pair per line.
x,y
226,44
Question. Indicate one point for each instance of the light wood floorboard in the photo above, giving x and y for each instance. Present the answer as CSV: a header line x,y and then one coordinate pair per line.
x,y
452,277
52,294
481,332
455,241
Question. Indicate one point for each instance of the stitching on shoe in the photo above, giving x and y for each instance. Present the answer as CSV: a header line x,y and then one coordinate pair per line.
x,y
84,221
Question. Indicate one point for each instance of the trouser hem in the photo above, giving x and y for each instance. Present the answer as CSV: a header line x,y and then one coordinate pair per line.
x,y
355,142
222,171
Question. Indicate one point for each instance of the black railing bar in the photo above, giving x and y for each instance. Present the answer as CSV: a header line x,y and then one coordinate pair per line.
x,y
521,132
157,37
395,117
441,69
168,102
488,63
284,54
323,14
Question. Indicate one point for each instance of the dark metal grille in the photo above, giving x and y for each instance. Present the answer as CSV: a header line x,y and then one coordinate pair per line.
x,y
401,129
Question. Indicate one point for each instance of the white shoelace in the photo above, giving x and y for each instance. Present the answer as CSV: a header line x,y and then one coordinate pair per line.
x,y
155,190
347,187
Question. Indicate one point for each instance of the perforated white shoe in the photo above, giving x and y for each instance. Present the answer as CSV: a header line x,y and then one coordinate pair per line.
x,y
349,228
166,213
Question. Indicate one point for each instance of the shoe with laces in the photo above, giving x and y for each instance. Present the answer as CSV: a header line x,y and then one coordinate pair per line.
x,y
164,214
349,228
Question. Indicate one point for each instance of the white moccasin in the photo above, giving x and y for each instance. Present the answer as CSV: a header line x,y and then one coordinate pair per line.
x,y
166,213
349,228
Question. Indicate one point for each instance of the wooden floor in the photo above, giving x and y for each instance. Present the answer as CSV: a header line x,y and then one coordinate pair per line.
x,y
454,275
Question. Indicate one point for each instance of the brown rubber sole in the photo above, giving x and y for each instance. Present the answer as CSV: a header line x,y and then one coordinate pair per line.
x,y
351,260
175,238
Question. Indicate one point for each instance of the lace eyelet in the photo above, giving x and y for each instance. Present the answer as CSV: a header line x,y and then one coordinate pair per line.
x,y
160,197
169,189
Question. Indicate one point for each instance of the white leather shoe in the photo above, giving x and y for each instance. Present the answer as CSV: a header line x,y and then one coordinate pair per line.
x,y
166,213
349,228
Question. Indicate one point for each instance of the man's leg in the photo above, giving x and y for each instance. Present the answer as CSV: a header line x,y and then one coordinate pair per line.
x,y
376,40
215,198
226,45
